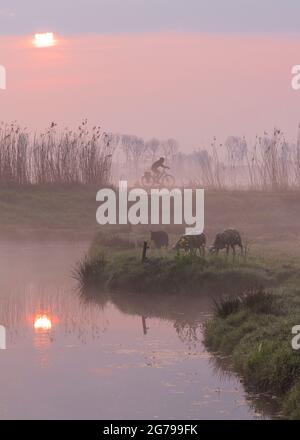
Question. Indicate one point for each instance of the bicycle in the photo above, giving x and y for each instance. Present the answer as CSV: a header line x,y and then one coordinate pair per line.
x,y
163,179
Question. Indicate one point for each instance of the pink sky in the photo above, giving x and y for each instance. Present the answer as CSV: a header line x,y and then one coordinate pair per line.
x,y
187,86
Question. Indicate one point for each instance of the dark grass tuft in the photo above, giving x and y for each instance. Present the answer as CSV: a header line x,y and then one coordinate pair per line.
x,y
256,300
226,306
89,272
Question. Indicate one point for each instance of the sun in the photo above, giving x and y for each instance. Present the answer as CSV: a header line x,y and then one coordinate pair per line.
x,y
42,322
44,40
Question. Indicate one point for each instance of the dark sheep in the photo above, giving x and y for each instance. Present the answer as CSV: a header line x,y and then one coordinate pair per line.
x,y
160,239
230,238
191,243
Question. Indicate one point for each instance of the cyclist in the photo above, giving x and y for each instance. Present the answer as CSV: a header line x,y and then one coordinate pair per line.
x,y
155,168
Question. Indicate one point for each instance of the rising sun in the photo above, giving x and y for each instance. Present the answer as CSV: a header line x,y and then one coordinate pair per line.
x,y
44,40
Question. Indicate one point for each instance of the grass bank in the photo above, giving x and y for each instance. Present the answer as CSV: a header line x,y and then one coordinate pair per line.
x,y
255,332
173,273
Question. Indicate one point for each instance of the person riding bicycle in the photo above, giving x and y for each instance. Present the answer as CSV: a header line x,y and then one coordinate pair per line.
x,y
155,168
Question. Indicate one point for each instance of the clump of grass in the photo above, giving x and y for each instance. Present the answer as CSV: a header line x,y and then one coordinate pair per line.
x,y
256,300
261,301
90,272
226,306
291,405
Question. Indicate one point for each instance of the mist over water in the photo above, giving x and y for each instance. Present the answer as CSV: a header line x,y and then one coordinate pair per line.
x,y
120,359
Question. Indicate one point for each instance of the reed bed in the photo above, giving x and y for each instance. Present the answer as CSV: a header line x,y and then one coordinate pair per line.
x,y
86,156
63,157
270,164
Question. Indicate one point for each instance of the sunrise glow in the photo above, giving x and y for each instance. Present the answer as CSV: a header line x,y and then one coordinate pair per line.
x,y
42,322
44,40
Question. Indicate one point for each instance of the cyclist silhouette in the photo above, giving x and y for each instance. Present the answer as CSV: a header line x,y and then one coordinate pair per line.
x,y
155,168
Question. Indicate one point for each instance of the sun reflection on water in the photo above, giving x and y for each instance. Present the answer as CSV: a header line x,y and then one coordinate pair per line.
x,y
42,323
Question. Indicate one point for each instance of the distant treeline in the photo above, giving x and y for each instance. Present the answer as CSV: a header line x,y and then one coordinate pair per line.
x,y
270,163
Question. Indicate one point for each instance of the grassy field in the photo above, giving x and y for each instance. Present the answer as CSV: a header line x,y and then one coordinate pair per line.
x,y
266,220
47,210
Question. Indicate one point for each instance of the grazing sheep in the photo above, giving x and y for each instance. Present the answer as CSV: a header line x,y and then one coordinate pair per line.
x,y
225,240
160,239
191,243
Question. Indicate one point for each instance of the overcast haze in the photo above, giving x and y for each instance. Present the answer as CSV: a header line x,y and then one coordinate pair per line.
x,y
189,69
81,16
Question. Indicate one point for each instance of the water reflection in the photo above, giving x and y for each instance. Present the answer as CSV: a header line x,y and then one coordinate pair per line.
x,y
20,313
99,356
186,317
42,323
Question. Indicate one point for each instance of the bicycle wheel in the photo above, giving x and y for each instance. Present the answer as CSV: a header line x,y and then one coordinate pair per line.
x,y
147,181
168,180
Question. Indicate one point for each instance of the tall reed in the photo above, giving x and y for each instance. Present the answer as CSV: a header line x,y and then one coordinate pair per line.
x,y
81,156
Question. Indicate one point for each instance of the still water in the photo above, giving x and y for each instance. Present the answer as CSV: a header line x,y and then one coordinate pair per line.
x,y
122,358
